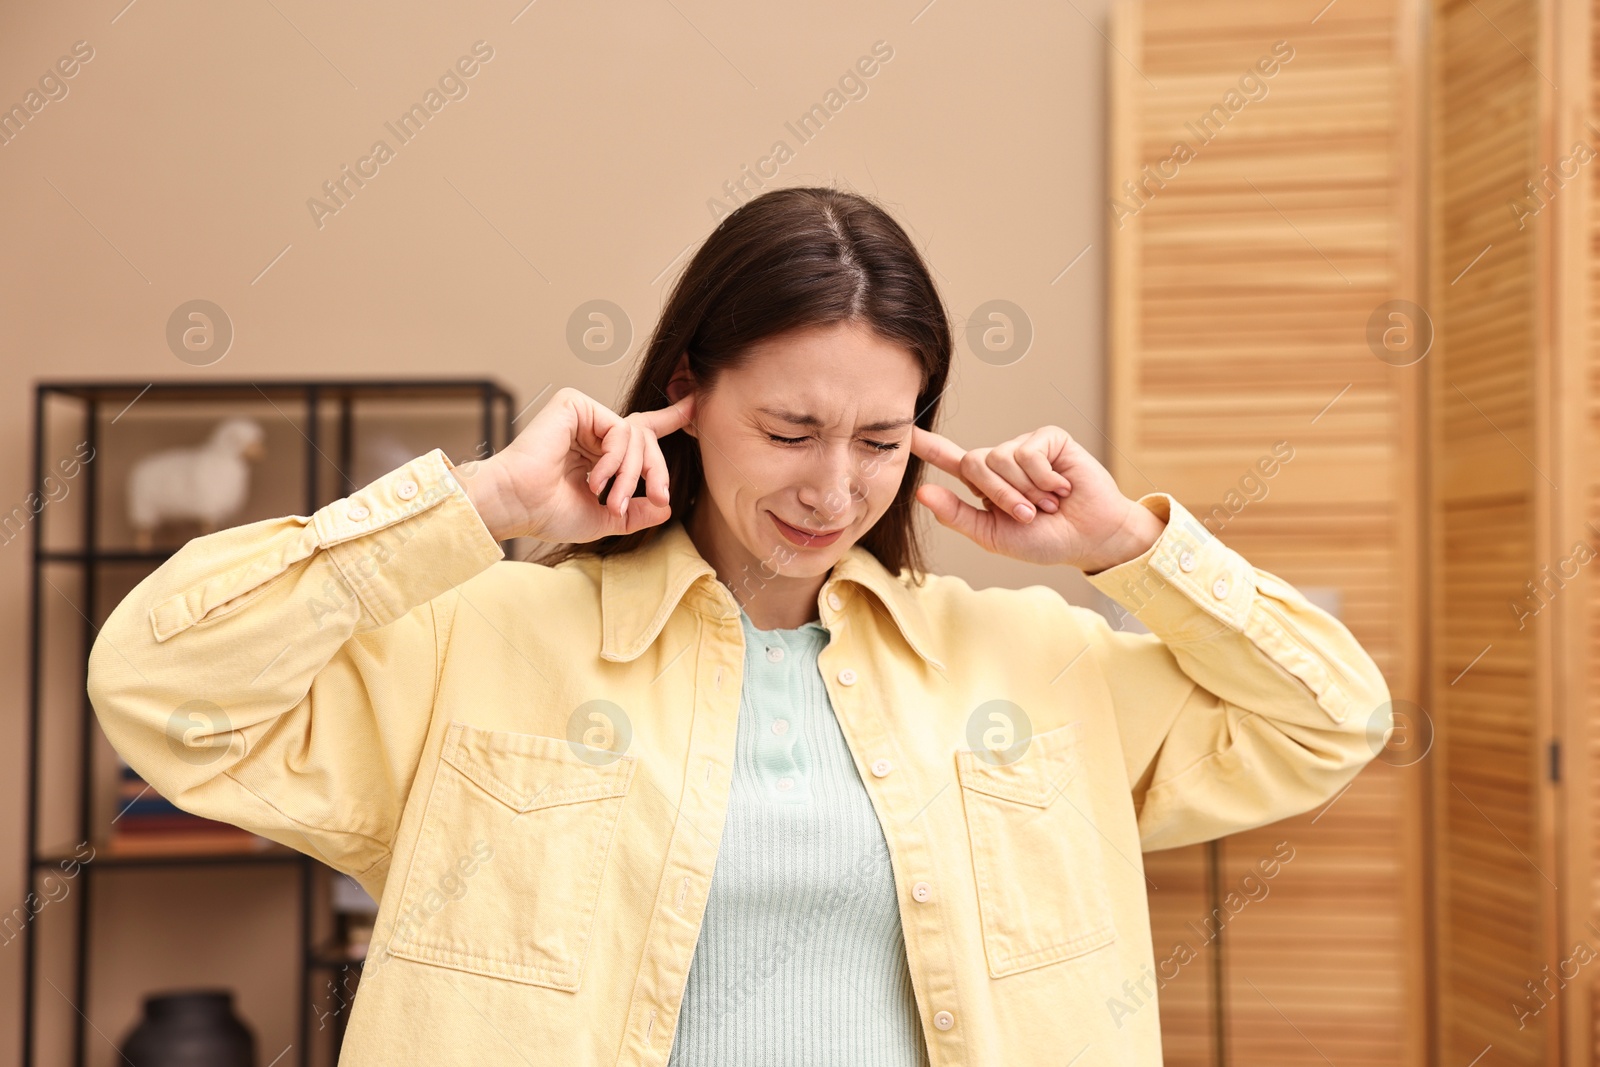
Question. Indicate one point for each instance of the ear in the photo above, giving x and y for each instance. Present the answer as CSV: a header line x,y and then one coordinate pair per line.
x,y
681,384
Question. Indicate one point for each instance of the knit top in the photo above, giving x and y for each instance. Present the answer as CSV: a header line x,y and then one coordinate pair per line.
x,y
801,959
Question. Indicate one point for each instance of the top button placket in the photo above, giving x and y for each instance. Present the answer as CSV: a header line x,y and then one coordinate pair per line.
x,y
692,849
927,947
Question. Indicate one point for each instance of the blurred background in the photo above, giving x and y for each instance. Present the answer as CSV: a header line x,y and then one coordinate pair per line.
x,y
1325,270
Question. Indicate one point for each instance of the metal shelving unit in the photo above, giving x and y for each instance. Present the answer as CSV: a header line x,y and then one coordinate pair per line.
x,y
98,398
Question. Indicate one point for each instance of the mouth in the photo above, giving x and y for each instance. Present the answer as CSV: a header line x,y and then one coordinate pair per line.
x,y
806,538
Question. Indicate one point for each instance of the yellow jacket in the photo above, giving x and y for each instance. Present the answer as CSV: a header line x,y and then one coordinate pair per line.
x,y
376,686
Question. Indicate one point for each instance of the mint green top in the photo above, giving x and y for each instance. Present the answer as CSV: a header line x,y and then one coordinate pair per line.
x,y
801,960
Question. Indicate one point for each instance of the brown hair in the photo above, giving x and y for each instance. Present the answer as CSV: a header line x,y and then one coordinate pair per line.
x,y
791,259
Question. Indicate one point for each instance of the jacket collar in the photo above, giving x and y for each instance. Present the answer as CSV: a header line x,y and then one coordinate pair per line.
x,y
639,591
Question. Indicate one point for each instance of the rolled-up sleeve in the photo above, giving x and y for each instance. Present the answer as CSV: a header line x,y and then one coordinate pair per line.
x,y
1245,703
280,675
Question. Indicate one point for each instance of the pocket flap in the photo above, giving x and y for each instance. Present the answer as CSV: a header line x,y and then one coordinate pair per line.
x,y
531,771
1043,771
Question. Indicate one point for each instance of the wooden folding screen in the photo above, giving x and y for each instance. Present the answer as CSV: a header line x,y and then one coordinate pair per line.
x,y
1263,182
1491,469
1514,463
1576,238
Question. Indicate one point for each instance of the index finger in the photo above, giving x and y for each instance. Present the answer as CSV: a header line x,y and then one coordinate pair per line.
x,y
663,421
937,449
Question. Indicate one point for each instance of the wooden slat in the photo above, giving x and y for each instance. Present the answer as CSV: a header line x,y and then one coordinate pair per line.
x,y
1577,229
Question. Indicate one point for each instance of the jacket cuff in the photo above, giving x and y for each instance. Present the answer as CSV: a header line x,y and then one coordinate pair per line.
x,y
1189,586
1186,586
406,538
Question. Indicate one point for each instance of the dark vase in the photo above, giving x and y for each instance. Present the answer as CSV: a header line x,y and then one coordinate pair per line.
x,y
190,1029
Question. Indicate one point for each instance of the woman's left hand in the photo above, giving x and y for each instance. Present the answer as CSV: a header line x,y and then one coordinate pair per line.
x,y
1075,513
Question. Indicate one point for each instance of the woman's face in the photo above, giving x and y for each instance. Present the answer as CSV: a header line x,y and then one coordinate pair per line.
x,y
804,448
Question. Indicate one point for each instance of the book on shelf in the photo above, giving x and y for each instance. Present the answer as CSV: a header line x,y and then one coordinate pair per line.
x,y
147,823
204,843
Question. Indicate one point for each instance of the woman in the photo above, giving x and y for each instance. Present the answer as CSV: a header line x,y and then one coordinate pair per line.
x,y
729,779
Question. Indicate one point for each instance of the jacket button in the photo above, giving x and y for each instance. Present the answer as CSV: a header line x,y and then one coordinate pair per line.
x,y
1186,561
881,767
780,726
357,513
1219,588
835,601
847,677
406,489
943,1020
922,891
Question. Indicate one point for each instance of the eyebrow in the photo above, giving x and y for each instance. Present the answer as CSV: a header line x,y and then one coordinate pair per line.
x,y
801,419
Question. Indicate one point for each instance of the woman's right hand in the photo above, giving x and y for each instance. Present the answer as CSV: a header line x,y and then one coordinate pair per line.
x,y
547,483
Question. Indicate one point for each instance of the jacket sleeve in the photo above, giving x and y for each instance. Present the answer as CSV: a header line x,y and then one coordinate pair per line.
x,y
1244,704
280,675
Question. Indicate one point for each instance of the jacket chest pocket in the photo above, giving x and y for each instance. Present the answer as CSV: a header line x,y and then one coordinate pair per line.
x,y
508,863
1036,854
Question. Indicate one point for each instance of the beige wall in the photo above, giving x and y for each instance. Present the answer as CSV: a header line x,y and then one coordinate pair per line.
x,y
579,165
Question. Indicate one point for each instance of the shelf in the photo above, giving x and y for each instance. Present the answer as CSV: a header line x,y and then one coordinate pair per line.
x,y
157,555
275,389
104,856
66,409
329,956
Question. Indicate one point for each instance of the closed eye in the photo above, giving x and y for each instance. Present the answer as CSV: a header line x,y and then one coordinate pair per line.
x,y
881,446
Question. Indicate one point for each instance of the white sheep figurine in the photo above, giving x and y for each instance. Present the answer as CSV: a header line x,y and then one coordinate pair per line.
x,y
208,483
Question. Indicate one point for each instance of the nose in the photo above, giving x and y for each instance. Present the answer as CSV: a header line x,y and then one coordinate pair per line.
x,y
833,484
